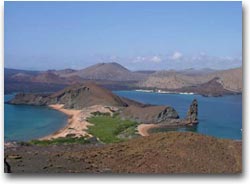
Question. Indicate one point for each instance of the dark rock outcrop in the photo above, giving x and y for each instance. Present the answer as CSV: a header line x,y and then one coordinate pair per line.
x,y
192,114
164,116
167,113
149,114
30,99
7,167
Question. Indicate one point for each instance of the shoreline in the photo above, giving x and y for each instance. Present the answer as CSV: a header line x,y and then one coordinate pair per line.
x,y
165,92
77,125
73,125
185,93
144,128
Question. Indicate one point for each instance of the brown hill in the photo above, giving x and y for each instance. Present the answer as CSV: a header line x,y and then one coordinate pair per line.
x,y
48,77
230,79
110,75
80,96
21,77
76,97
195,72
213,87
64,72
162,153
170,80
108,71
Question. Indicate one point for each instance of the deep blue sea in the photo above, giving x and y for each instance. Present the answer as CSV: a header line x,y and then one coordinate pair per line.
x,y
218,116
26,122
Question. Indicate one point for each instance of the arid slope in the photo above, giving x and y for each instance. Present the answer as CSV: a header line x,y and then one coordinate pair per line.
x,y
173,152
231,79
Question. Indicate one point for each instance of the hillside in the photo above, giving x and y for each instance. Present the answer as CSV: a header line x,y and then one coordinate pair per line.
x,y
168,80
73,97
107,71
230,79
48,77
8,72
213,87
108,75
116,77
162,153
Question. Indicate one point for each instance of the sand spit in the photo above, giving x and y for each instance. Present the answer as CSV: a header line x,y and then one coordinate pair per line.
x,y
144,128
77,123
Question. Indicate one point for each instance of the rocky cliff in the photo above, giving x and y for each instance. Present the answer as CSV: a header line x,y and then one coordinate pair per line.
x,y
30,99
149,114
192,114
165,115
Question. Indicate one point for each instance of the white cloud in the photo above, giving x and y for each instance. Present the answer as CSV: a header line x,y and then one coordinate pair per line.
x,y
139,59
156,59
148,59
177,60
176,56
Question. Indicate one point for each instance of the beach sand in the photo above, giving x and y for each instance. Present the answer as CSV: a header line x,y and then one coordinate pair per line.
x,y
144,128
77,123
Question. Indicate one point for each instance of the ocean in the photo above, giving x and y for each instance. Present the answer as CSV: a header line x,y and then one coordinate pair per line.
x,y
218,116
26,122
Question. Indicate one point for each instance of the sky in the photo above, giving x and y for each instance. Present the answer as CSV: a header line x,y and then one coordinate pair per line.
x,y
138,35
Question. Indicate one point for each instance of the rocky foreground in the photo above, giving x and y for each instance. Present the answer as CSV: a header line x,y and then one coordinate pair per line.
x,y
162,153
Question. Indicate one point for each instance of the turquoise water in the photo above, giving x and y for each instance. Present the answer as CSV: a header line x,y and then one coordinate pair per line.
x,y
25,122
218,116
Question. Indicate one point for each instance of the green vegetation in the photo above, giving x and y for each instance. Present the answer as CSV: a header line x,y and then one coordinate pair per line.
x,y
110,129
62,140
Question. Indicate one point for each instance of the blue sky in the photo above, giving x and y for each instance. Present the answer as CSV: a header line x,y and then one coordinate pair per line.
x,y
138,35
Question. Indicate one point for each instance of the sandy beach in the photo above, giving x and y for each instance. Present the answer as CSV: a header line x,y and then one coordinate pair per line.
x,y
144,128
77,123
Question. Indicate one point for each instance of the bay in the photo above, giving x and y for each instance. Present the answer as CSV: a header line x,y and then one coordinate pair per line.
x,y
26,122
218,116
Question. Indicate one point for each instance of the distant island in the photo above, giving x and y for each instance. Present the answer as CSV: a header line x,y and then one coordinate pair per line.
x,y
114,76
